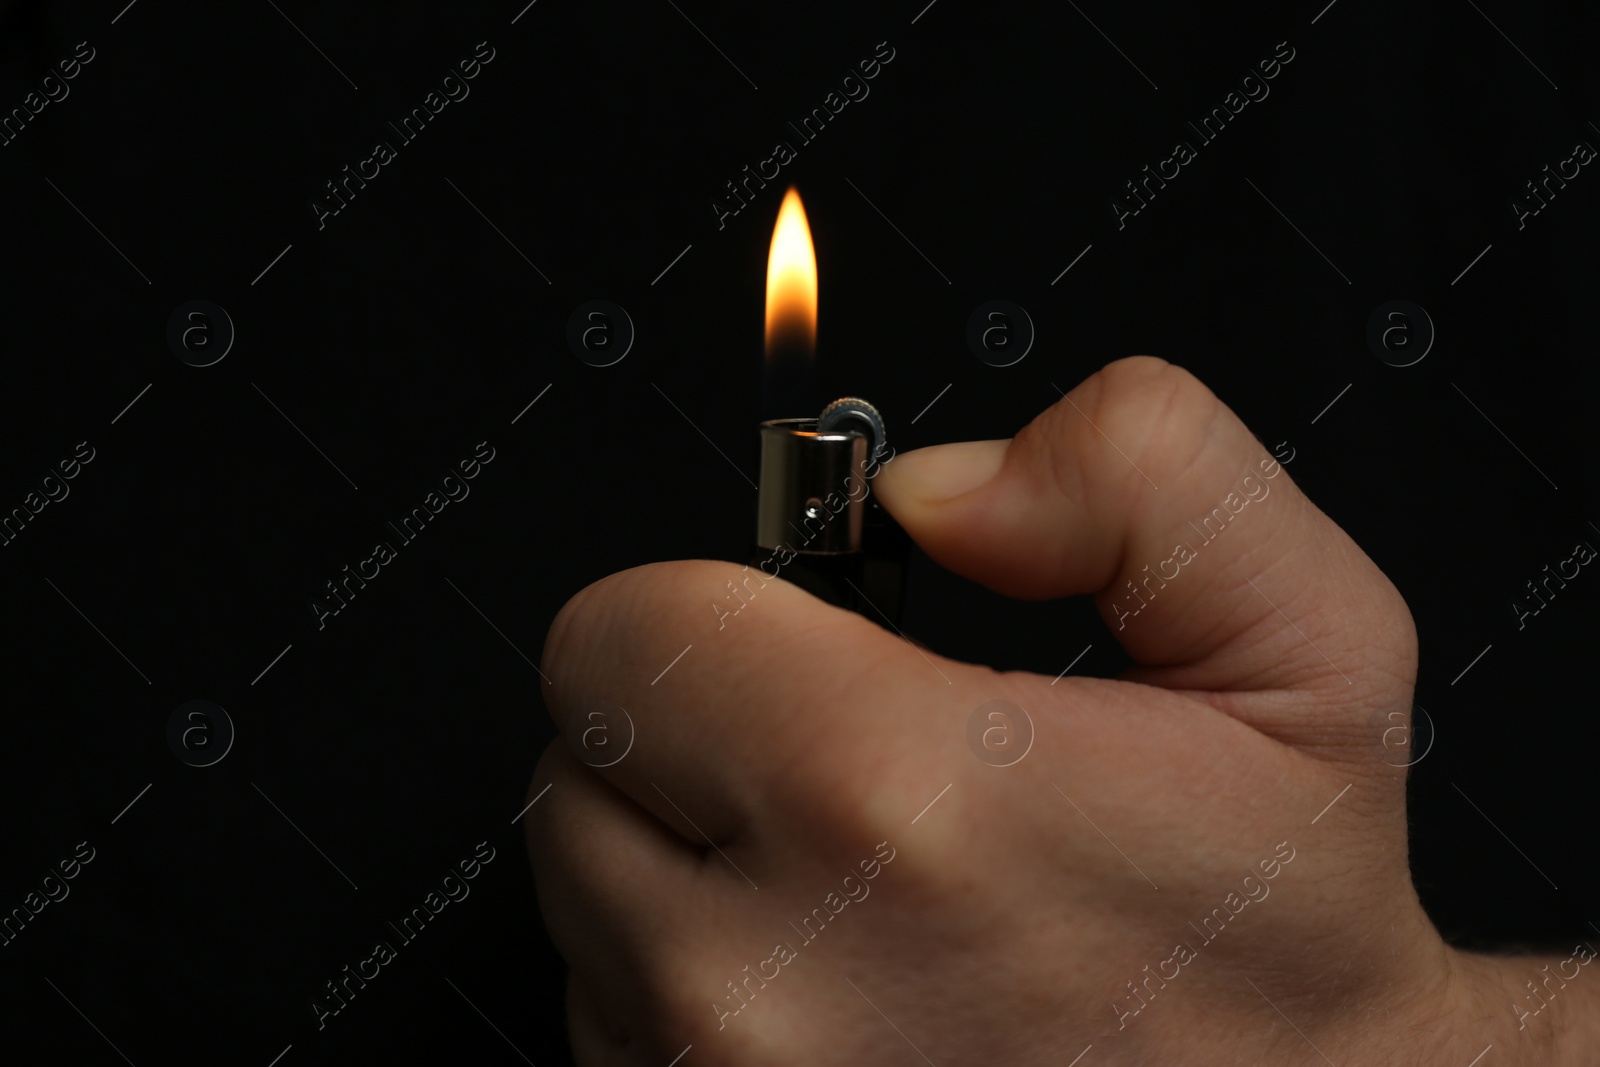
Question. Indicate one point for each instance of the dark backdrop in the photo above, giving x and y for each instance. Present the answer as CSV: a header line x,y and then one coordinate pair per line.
x,y
374,352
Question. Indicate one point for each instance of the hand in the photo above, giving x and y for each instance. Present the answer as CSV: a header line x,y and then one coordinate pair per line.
x,y
800,859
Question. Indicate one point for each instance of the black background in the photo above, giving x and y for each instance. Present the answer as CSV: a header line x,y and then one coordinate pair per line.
x,y
408,329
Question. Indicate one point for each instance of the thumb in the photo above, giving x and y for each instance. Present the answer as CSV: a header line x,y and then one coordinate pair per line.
x,y
1207,562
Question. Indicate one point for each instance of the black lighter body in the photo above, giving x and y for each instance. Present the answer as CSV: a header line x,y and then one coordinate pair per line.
x,y
817,525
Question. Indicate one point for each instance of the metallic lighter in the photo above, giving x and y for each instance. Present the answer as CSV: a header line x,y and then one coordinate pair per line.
x,y
817,525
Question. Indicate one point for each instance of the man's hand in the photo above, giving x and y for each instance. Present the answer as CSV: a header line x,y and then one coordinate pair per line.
x,y
810,841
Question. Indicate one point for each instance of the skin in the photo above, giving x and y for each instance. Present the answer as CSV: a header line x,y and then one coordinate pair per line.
x,y
1018,916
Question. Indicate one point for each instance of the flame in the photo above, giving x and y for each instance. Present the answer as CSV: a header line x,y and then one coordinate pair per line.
x,y
791,281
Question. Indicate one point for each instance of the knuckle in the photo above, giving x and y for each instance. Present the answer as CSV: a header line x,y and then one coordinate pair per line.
x,y
1157,412
1145,405
1138,367
1144,393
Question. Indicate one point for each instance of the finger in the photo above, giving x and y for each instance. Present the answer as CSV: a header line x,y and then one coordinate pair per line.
x,y
735,719
1210,566
610,877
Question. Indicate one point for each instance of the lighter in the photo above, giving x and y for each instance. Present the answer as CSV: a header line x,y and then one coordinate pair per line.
x,y
817,524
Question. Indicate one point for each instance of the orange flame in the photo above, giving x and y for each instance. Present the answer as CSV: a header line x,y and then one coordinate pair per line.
x,y
791,281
